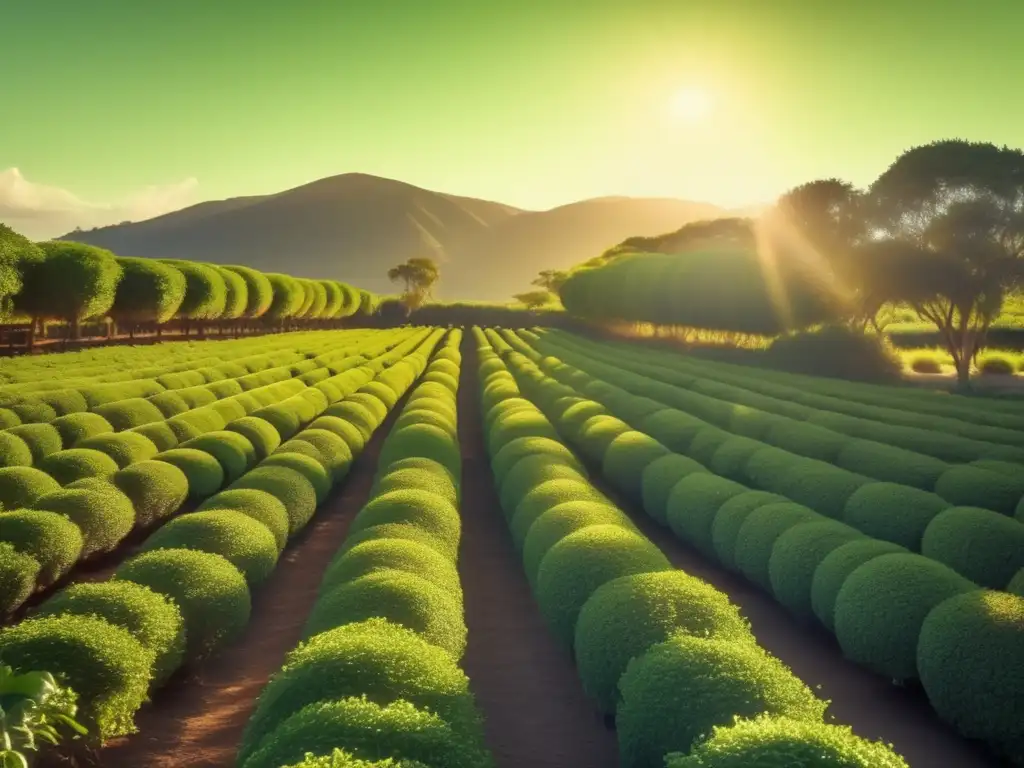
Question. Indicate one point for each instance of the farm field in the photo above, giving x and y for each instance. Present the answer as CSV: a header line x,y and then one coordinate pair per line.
x,y
484,547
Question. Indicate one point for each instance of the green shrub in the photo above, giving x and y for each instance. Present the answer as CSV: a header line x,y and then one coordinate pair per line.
x,y
511,453
169,403
182,430
107,667
204,473
149,291
157,489
518,424
818,485
889,462
680,689
343,429
403,598
244,542
21,486
583,561
809,440
984,546
423,508
259,505
385,661
260,434
132,412
730,458
795,557
41,439
374,555
967,486
397,531
233,451
153,620
14,452
18,575
547,495
51,539
970,656
104,517
370,731
123,447
355,414
834,569
289,487
707,442
658,480
693,503
8,418
995,364
784,743
1016,585
330,450
882,605
65,401
626,458
434,479
306,466
597,434
205,291
73,464
729,519
532,472
558,522
422,440
836,351
758,534
159,433
208,590
33,411
626,616
892,512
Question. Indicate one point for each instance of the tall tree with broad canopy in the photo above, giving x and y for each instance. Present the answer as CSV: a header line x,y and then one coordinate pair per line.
x,y
16,254
418,276
947,238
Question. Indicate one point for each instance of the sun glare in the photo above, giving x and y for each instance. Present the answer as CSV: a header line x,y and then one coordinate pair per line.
x,y
691,104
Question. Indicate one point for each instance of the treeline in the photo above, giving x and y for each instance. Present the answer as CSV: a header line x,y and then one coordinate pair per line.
x,y
940,231
73,283
392,311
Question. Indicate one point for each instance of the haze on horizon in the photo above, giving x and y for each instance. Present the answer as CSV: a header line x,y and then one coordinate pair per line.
x,y
122,110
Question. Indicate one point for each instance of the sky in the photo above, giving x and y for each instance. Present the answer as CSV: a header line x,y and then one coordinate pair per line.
x,y
118,109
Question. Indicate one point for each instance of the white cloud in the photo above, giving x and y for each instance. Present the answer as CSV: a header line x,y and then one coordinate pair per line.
x,y
41,212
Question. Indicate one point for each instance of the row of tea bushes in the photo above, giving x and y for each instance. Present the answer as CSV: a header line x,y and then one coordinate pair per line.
x,y
665,653
376,677
901,614
187,595
981,544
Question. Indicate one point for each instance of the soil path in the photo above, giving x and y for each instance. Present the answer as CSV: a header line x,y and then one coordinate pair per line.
x,y
198,721
870,704
536,713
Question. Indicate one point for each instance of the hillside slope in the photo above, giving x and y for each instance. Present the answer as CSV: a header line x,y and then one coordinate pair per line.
x,y
353,227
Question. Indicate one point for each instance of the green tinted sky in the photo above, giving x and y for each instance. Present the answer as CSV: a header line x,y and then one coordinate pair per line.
x,y
533,103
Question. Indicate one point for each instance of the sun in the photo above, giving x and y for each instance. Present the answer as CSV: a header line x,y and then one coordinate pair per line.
x,y
691,104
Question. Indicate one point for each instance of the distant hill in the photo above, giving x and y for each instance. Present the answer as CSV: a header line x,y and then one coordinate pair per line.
x,y
353,227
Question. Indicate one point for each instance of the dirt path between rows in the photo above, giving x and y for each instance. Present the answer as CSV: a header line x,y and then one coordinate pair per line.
x,y
870,704
198,721
536,713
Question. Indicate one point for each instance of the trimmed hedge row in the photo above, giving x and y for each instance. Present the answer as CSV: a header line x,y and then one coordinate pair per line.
x,y
664,652
185,597
891,610
377,677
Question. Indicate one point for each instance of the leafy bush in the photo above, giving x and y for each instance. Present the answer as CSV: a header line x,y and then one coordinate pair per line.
x,y
820,486
151,618
289,487
18,575
343,429
204,473
259,432
836,351
626,459
259,290
626,616
532,472
236,293
580,563
73,464
107,667
259,505
41,439
205,291
515,450
21,486
729,520
970,656
370,731
51,539
37,710
680,689
245,543
558,522
882,605
331,451
892,512
424,475
888,462
104,517
984,546
159,433
149,292
995,364
156,489
795,557
233,452
758,534
422,440
32,411
123,447
834,569
967,486
356,414
427,510
342,759
208,590
693,503
79,426
778,742
128,413
396,554
306,466
14,452
403,598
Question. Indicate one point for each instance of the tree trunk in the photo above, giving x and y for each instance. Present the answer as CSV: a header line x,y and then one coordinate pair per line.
x,y
963,374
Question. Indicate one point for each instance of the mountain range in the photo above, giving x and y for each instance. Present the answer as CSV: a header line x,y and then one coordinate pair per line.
x,y
354,227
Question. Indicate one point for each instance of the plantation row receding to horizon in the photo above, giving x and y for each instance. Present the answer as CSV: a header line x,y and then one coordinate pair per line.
x,y
150,494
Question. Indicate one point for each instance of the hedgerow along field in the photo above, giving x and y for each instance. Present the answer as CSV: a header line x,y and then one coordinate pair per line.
x,y
430,547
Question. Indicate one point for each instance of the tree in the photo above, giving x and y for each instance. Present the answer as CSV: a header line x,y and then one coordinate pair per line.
x,y
289,296
947,223
16,254
73,282
418,276
535,299
206,293
149,292
260,293
550,280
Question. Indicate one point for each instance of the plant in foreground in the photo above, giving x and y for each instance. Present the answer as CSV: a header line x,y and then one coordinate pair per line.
x,y
33,709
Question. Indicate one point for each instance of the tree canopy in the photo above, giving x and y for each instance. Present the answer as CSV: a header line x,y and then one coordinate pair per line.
x,y
149,291
418,277
16,253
